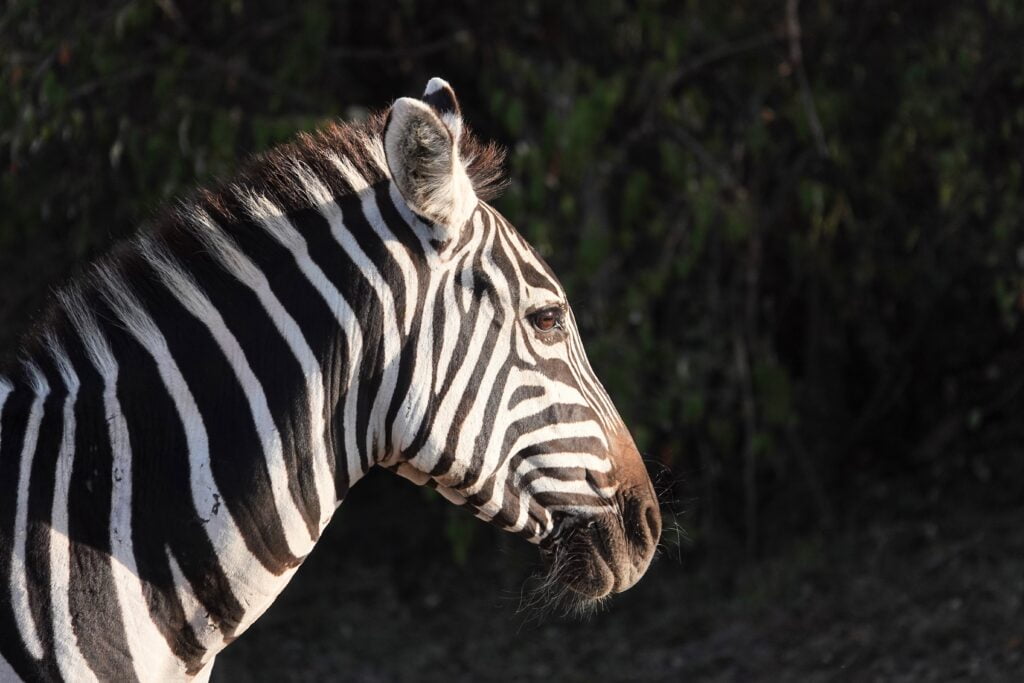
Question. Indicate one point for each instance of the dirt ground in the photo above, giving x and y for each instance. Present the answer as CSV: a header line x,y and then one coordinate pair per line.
x,y
914,600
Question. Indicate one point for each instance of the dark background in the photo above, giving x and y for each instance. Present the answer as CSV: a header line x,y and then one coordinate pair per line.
x,y
791,233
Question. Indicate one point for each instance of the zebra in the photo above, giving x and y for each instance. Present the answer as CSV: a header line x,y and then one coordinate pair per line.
x,y
183,420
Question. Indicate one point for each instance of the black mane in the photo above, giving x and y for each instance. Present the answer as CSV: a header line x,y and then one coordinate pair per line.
x,y
270,174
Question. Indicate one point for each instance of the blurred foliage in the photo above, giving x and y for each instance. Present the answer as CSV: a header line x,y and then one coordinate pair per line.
x,y
793,239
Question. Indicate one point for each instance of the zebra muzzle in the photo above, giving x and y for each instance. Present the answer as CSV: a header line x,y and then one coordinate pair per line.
x,y
597,555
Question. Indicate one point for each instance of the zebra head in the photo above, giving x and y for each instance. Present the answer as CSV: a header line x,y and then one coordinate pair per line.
x,y
505,415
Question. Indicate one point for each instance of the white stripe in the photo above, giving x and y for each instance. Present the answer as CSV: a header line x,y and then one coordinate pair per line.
x,y
588,382
552,432
349,172
19,579
73,665
580,510
468,287
546,461
7,673
453,318
151,657
181,285
523,349
555,393
203,626
374,147
522,517
573,486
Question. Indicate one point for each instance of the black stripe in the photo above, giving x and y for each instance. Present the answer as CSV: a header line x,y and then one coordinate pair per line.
x,y
524,393
559,473
402,230
13,425
506,517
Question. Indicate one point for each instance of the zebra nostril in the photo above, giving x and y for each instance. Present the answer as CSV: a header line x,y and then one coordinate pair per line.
x,y
653,516
643,522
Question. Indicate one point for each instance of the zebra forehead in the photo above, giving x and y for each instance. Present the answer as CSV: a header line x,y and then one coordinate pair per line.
x,y
531,271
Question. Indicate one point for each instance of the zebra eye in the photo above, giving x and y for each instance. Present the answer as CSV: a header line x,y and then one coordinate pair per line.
x,y
547,319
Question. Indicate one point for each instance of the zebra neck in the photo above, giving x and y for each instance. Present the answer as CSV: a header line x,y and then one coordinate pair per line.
x,y
192,415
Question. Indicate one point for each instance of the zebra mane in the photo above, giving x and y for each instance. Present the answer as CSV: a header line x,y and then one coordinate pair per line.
x,y
344,157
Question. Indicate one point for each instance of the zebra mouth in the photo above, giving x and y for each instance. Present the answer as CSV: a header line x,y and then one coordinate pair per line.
x,y
579,556
592,556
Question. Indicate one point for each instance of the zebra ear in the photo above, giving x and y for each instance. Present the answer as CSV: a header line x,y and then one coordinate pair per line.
x,y
423,156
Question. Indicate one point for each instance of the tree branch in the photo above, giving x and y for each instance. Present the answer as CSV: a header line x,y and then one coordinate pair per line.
x,y
796,58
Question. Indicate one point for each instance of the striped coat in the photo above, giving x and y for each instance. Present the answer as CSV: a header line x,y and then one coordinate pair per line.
x,y
188,414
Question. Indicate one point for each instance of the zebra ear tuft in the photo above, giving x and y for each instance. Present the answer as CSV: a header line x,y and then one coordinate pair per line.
x,y
423,157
